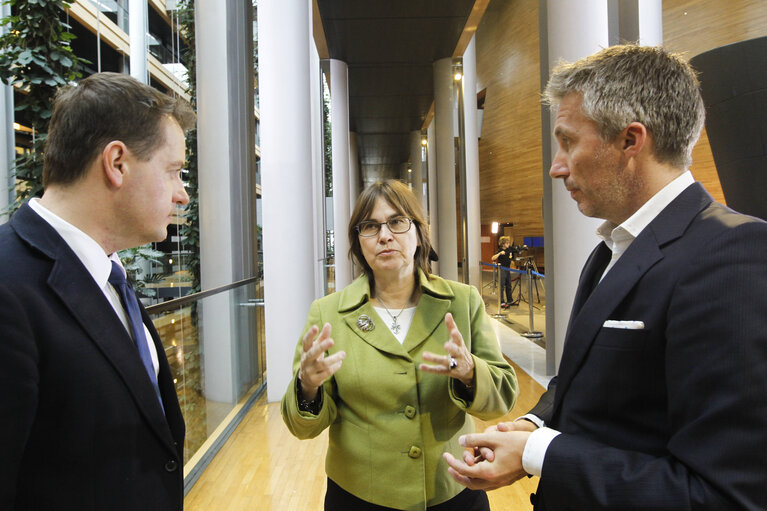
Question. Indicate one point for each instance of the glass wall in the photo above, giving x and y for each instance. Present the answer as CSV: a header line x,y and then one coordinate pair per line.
x,y
216,365
330,243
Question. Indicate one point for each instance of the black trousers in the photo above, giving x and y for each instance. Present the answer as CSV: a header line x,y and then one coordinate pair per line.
x,y
338,499
506,286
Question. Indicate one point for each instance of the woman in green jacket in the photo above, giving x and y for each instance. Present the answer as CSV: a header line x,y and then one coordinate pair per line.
x,y
394,364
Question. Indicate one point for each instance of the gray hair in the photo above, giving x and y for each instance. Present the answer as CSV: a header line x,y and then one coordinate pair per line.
x,y
630,83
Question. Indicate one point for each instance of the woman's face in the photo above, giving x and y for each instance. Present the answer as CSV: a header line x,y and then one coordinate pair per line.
x,y
389,255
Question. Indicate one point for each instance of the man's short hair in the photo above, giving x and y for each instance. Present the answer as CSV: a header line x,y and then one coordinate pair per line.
x,y
629,83
100,109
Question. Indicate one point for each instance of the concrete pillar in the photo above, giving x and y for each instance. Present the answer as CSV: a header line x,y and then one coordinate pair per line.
x,y
650,22
636,21
355,185
286,147
404,175
226,157
444,112
339,125
355,178
137,28
416,176
471,144
574,30
317,171
431,168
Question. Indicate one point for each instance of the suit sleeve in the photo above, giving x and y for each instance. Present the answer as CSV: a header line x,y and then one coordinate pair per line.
x,y
715,366
302,424
19,380
496,387
545,406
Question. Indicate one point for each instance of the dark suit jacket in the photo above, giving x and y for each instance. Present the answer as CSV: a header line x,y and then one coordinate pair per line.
x,y
673,416
80,425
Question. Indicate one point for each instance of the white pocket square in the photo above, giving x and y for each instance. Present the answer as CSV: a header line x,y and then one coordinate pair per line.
x,y
626,325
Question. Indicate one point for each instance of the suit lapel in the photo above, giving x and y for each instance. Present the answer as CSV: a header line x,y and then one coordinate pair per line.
x,y
597,307
590,310
592,271
86,302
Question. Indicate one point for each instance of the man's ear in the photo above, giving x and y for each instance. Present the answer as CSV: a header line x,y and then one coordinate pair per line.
x,y
114,162
634,137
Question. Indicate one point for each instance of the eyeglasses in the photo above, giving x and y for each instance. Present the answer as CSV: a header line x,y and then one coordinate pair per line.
x,y
396,225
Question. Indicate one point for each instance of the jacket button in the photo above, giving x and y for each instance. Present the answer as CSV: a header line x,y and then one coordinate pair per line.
x,y
409,412
533,498
171,465
415,452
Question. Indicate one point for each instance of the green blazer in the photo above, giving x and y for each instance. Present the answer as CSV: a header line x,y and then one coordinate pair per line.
x,y
390,422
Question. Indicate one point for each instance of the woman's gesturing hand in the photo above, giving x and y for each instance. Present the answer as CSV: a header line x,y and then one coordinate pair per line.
x,y
458,363
315,366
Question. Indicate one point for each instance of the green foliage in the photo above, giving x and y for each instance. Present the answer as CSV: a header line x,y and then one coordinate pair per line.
x,y
327,137
133,260
191,229
36,57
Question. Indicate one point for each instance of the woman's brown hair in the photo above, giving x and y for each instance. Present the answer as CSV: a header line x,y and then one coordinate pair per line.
x,y
402,199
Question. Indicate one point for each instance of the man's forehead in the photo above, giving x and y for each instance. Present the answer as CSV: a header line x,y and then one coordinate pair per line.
x,y
569,117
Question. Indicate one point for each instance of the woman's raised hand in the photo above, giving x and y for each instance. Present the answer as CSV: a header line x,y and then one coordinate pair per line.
x,y
458,363
315,366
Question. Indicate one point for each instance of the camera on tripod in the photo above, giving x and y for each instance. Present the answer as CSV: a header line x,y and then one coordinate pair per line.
x,y
517,250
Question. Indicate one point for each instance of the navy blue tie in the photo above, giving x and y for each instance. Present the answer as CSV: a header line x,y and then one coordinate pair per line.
x,y
130,303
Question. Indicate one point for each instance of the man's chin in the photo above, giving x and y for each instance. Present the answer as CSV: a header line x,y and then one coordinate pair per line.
x,y
159,236
586,210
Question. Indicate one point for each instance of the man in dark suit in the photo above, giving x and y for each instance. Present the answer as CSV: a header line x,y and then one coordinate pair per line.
x,y
659,400
89,418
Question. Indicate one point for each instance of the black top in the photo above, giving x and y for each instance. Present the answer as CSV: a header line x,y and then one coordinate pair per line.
x,y
505,258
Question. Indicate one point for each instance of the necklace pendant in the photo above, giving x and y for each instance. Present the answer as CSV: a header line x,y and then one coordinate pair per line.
x,y
395,326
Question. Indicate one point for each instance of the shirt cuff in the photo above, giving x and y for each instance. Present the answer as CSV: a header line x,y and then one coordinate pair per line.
x,y
535,450
532,418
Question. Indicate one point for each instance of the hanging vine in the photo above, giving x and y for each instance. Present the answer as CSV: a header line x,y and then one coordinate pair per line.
x,y
36,58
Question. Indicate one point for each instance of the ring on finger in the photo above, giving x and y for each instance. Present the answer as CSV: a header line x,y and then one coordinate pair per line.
x,y
452,363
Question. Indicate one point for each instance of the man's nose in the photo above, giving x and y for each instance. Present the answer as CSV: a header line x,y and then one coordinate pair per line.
x,y
181,197
559,169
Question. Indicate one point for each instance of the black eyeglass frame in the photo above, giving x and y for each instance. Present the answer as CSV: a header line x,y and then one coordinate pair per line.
x,y
378,225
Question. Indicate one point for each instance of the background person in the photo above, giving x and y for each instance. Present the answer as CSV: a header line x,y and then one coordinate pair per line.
x,y
89,418
504,257
394,364
659,400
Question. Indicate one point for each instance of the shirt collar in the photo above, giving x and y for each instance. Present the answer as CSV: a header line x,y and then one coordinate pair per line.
x,y
615,236
90,253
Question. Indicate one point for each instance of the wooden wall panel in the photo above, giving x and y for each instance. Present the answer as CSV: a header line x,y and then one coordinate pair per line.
x,y
510,162
511,184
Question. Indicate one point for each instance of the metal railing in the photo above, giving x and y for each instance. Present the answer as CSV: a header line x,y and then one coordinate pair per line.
x,y
531,271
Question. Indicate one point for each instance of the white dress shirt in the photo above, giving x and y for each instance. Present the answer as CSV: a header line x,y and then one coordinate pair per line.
x,y
617,238
98,264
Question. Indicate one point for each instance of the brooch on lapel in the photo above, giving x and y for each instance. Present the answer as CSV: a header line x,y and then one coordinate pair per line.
x,y
365,323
